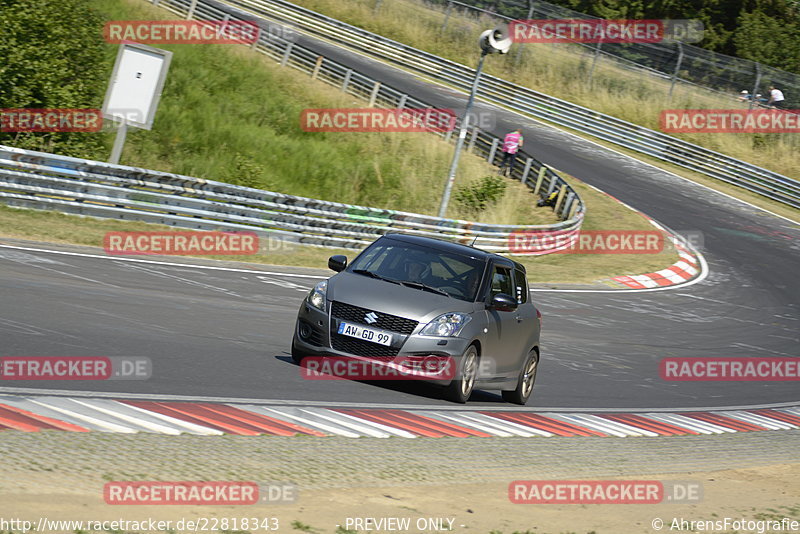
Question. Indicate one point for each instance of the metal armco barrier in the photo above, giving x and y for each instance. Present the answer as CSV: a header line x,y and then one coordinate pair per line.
x,y
274,41
47,181
524,100
71,185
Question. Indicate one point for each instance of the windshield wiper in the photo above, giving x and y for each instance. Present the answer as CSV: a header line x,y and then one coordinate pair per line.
x,y
374,275
419,285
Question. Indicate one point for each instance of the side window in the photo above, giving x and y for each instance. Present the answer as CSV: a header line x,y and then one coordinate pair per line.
x,y
521,287
502,282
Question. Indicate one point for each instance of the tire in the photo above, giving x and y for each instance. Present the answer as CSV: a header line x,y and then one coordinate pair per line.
x,y
527,377
461,387
297,355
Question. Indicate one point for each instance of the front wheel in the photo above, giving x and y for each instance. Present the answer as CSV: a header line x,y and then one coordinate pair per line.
x,y
297,355
461,386
527,377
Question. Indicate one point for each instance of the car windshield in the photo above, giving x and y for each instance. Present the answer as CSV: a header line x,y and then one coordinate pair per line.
x,y
423,268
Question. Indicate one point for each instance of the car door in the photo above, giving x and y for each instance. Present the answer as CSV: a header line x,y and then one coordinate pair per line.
x,y
506,334
525,314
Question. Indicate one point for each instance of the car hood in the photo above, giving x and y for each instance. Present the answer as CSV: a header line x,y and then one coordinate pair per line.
x,y
395,299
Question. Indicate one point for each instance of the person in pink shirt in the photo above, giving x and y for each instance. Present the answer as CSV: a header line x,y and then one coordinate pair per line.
x,y
511,144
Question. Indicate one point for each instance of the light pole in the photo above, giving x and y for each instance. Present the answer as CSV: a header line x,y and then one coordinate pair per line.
x,y
496,41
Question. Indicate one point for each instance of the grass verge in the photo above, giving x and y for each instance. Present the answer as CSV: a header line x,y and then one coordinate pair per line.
x,y
231,114
604,214
563,71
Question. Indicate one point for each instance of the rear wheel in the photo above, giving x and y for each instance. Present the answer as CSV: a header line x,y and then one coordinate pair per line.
x,y
527,377
461,386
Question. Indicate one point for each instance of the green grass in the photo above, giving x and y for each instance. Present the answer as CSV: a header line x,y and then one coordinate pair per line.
x,y
231,114
563,71
604,214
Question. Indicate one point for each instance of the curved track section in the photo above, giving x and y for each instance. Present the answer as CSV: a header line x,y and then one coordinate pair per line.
x,y
225,333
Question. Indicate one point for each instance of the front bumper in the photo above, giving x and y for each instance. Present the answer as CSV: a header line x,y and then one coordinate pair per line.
x,y
312,337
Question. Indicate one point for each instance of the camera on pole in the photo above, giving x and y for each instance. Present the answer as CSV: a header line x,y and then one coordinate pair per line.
x,y
496,41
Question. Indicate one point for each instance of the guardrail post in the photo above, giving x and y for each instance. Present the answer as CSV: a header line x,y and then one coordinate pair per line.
x,y
155,2
493,150
594,61
677,69
539,179
373,96
192,7
402,103
568,204
572,210
560,198
286,54
519,45
447,14
755,86
472,139
346,81
317,66
526,170
551,187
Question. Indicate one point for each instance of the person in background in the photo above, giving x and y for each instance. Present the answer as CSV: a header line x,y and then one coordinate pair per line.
x,y
511,144
776,99
744,96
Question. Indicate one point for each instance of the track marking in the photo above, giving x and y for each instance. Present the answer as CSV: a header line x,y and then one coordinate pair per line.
x,y
331,404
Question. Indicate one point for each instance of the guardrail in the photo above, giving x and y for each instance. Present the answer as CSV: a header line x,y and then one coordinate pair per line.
x,y
527,101
528,170
47,181
72,185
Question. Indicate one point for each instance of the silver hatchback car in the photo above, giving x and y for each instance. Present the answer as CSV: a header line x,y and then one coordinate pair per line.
x,y
408,296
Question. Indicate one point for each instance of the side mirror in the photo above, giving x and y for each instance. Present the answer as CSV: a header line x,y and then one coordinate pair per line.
x,y
503,302
337,263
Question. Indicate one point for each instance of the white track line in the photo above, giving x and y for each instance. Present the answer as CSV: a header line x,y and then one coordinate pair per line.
x,y
789,406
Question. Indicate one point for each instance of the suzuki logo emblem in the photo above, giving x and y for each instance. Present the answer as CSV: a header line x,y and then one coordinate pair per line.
x,y
371,318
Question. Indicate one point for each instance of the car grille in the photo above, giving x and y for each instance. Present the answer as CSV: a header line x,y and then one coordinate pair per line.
x,y
355,314
359,347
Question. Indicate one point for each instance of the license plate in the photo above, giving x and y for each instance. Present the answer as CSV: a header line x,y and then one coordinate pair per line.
x,y
367,334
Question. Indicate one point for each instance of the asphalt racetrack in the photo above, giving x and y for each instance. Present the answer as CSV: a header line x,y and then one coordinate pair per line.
x,y
217,333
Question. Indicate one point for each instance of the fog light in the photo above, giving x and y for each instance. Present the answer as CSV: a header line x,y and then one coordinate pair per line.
x,y
305,331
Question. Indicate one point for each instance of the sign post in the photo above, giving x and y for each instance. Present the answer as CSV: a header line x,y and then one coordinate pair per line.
x,y
134,90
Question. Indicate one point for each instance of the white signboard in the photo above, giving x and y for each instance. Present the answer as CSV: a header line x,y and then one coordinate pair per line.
x,y
136,84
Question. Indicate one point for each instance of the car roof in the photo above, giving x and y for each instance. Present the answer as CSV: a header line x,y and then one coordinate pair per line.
x,y
449,246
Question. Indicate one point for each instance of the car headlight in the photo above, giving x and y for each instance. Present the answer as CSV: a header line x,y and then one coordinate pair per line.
x,y
316,296
446,325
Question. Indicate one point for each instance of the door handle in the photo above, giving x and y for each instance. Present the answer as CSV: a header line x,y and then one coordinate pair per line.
x,y
519,318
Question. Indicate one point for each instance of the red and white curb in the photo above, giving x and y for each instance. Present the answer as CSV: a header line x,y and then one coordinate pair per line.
x,y
686,268
33,414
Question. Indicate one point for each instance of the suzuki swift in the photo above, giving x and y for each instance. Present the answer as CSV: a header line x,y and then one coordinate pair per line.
x,y
408,297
